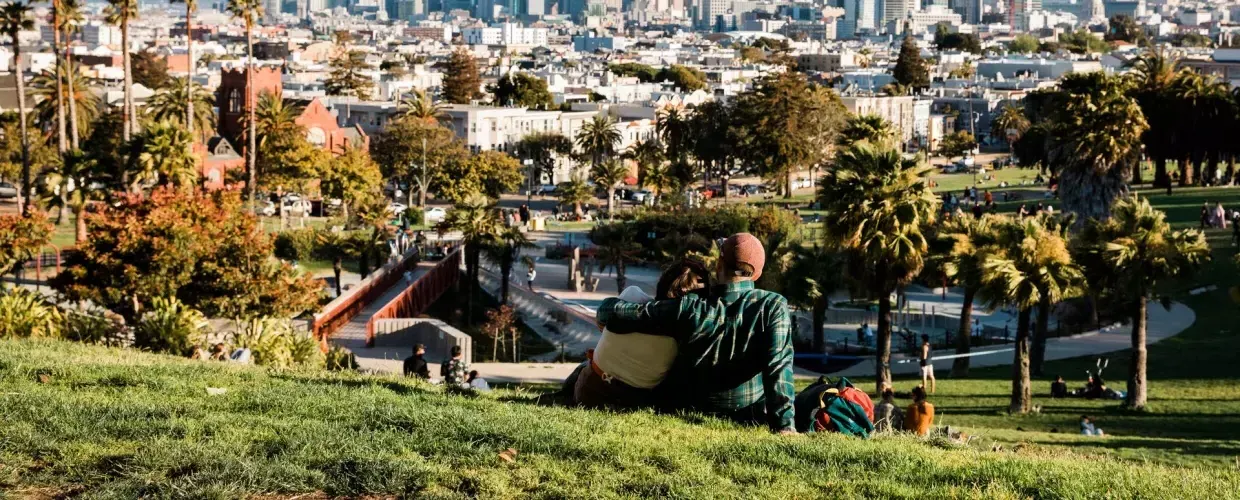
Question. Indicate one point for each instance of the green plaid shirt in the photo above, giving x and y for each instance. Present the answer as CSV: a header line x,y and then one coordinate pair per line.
x,y
735,347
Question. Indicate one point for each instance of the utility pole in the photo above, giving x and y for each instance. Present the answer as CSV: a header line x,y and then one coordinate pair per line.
x,y
529,192
422,181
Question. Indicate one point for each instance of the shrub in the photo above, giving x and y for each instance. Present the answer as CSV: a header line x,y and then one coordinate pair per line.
x,y
339,358
276,343
92,329
25,314
415,215
297,244
170,327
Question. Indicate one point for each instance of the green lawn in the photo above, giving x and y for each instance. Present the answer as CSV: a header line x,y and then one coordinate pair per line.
x,y
112,423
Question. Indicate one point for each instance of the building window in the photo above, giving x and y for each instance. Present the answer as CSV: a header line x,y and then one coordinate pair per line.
x,y
234,101
316,136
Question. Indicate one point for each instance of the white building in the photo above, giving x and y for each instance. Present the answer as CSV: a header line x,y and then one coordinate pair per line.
x,y
97,33
505,34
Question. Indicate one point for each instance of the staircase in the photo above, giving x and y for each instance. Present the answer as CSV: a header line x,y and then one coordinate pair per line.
x,y
570,330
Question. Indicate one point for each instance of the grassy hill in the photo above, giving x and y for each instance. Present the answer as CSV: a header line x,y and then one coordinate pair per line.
x,y
122,424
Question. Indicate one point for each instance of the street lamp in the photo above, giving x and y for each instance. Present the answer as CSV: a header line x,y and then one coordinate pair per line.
x,y
529,193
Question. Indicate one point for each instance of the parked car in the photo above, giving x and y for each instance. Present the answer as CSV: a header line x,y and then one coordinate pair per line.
x,y
396,208
7,191
434,215
642,197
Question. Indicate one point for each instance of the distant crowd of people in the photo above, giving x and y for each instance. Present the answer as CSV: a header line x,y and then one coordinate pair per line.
x,y
454,373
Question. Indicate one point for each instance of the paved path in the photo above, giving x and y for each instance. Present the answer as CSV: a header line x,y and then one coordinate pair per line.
x,y
353,334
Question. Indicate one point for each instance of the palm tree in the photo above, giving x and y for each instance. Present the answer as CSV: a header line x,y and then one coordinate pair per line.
x,y
166,156
1096,142
672,127
871,128
1031,266
475,218
504,251
971,240
168,104
420,106
43,89
648,155
617,247
1199,101
1139,250
120,13
249,11
1010,124
276,116
189,93
59,97
69,18
1154,73
598,139
575,192
72,186
15,19
876,203
815,272
609,174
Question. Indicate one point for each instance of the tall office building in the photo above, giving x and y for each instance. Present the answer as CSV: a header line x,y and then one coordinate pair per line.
x,y
896,9
859,16
970,10
1095,13
710,10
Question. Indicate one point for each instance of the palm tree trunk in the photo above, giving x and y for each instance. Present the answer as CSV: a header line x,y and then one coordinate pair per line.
x,y
189,79
818,314
964,335
27,185
1136,173
1022,396
251,104
60,96
1038,353
1137,387
611,198
505,269
882,368
79,231
127,105
788,186
73,115
471,267
1160,173
1186,171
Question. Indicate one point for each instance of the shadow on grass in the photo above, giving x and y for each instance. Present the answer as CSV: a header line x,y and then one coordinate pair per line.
x,y
400,388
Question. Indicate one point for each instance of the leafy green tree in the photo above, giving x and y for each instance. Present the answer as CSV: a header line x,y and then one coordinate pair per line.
x,y
876,204
1203,103
353,177
967,42
814,273
869,128
490,173
1030,267
74,184
347,75
617,247
644,73
1023,43
168,104
1082,42
609,175
716,133
406,143
15,18
504,250
288,161
165,158
958,143
521,89
1192,40
543,148
910,69
1010,124
203,249
1138,250
150,70
787,125
971,240
479,225
683,77
43,90
1154,75
1125,28
461,83
676,133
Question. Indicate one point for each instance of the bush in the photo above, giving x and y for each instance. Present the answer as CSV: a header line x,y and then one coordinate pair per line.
x,y
170,327
25,314
297,244
274,342
92,329
415,215
339,358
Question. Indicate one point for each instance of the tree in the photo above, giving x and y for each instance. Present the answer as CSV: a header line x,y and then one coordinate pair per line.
x,y
15,18
682,77
814,273
290,163
617,246
1030,267
869,128
1082,42
419,106
69,17
490,173
609,175
461,82
673,129
74,185
1095,141
190,94
165,157
475,218
787,126
910,70
43,89
958,143
543,148
1192,40
644,73
276,116
59,96
598,139
966,42
1023,43
1201,101
521,89
1124,28
1154,74
575,192
352,177
203,249
971,239
150,70
876,204
1139,250
21,237
347,78
169,104
651,171
1009,124
965,71
501,321
119,13
716,134
249,11
413,149
504,250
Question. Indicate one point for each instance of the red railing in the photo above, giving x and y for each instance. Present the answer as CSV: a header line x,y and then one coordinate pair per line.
x,y
420,294
338,312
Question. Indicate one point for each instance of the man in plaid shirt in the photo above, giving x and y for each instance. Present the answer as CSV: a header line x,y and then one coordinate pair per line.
x,y
735,341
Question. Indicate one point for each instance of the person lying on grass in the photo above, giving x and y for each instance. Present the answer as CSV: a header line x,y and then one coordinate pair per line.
x,y
623,369
735,342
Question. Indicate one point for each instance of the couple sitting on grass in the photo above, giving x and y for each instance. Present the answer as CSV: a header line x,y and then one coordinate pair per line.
x,y
724,350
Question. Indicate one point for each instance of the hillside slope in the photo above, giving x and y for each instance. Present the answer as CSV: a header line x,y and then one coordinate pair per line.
x,y
122,424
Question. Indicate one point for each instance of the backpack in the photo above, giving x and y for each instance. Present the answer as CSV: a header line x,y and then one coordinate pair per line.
x,y
843,408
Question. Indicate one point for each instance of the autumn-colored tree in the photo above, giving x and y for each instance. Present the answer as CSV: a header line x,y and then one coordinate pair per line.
x,y
21,238
202,249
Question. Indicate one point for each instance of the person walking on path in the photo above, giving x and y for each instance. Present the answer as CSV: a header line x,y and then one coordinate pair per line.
x,y
735,344
529,277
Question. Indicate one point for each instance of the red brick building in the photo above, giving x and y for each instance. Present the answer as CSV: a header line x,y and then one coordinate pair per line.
x,y
215,160
321,126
